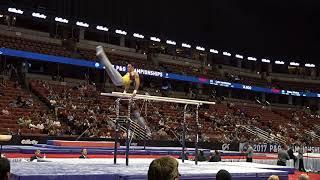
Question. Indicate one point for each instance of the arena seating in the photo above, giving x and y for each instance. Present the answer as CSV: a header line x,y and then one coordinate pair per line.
x,y
217,121
294,86
20,43
8,122
84,105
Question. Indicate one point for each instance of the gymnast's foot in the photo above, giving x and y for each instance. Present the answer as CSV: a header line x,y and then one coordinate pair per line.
x,y
99,52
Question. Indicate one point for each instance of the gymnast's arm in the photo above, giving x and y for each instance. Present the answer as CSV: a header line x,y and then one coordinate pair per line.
x,y
137,84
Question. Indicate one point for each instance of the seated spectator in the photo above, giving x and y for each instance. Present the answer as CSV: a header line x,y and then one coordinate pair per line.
x,y
38,126
201,156
57,123
108,135
5,111
20,102
223,175
4,169
3,83
37,155
273,177
304,177
215,157
17,85
21,121
186,155
165,168
29,102
84,154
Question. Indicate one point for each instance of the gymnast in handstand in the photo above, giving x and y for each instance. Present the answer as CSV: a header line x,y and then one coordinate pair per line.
x,y
130,77
116,78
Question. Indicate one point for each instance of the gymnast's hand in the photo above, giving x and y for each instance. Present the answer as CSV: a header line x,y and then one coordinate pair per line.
x,y
134,93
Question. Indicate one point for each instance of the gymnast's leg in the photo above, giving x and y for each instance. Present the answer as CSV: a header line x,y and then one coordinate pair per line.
x,y
141,121
114,75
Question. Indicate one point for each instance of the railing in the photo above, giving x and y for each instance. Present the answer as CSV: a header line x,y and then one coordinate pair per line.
x,y
313,135
275,138
263,134
256,133
136,130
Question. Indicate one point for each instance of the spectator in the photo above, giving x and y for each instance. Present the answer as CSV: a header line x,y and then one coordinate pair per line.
x,y
108,135
201,156
165,168
291,155
215,157
304,177
5,111
300,159
186,157
37,155
273,177
249,153
223,175
283,156
4,169
38,126
84,154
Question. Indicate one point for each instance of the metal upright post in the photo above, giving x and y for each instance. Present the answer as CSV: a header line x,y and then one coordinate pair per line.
x,y
184,132
128,131
145,139
145,126
146,109
116,138
1,150
197,135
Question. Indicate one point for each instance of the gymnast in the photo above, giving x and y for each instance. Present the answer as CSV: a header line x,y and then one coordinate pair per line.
x,y
116,78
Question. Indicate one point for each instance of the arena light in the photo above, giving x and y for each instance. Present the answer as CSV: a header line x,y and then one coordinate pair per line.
x,y
186,45
14,10
279,62
38,15
82,24
102,28
138,35
155,39
214,51
239,56
226,53
118,31
59,19
252,59
200,48
294,64
171,42
1,15
310,65
96,64
265,60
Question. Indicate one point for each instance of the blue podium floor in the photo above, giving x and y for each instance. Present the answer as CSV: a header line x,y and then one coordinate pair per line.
x,y
96,169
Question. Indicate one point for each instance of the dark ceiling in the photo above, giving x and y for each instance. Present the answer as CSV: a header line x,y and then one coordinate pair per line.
x,y
276,29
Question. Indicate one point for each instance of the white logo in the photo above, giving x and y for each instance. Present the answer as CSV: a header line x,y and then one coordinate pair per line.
x,y
28,141
225,147
246,87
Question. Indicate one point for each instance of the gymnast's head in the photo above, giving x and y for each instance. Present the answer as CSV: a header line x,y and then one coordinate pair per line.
x,y
165,168
130,67
4,169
